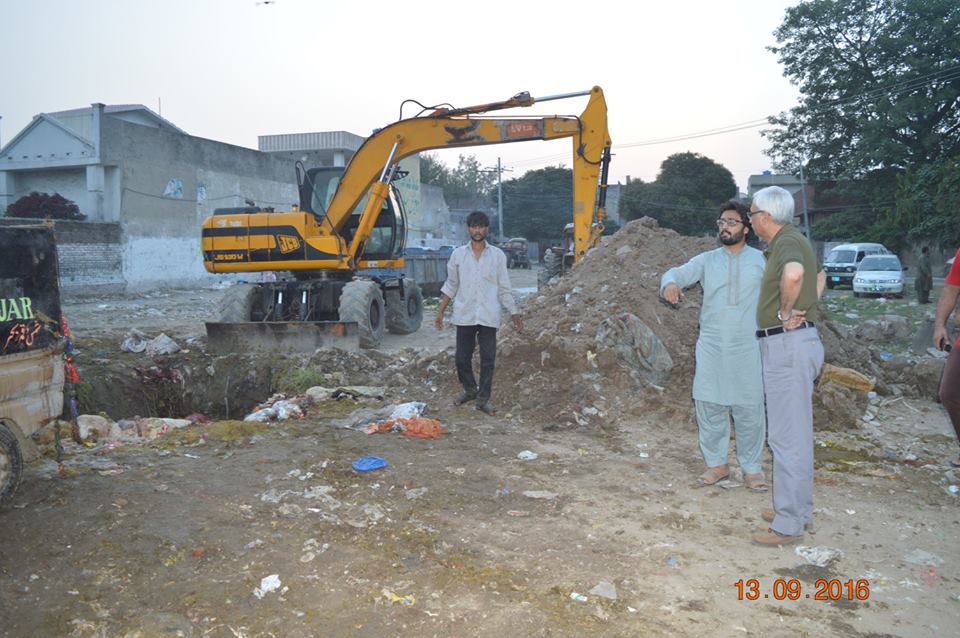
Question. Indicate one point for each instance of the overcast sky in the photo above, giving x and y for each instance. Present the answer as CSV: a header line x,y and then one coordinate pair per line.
x,y
231,70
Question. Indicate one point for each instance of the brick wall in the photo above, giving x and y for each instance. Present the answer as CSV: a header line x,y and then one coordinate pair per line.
x,y
90,256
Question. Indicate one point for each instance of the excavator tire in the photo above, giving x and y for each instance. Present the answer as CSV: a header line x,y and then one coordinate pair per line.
x,y
551,268
237,303
11,464
404,314
362,302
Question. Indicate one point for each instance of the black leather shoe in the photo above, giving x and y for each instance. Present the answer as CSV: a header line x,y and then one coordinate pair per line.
x,y
486,408
464,397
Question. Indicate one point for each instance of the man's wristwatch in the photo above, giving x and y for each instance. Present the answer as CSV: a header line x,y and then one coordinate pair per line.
x,y
780,317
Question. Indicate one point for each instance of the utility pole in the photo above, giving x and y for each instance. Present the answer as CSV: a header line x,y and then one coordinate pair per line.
x,y
499,200
803,200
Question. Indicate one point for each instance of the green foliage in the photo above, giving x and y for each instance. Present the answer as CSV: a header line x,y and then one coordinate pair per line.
x,y
463,186
878,86
685,196
539,204
298,380
928,203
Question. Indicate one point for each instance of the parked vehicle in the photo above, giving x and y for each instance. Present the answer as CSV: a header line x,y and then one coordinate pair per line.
x,y
842,261
515,249
31,367
879,275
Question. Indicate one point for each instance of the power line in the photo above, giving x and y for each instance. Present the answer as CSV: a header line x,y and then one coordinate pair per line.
x,y
904,86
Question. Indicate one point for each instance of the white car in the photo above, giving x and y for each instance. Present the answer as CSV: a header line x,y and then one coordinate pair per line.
x,y
879,275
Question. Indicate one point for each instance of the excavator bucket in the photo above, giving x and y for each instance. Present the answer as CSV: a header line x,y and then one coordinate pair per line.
x,y
282,336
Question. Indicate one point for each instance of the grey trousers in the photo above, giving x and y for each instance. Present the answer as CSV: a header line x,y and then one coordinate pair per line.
x,y
791,362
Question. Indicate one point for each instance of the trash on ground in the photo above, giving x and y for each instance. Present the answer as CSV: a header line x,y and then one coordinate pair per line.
x,y
369,463
276,409
540,494
417,426
820,555
527,455
604,589
846,377
267,584
160,345
922,557
135,341
407,600
578,597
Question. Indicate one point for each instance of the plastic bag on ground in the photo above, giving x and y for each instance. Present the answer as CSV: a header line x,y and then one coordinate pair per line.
x,y
162,345
136,341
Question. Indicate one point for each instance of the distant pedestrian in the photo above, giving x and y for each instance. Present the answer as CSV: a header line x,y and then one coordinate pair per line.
x,y
924,279
478,283
727,384
792,356
950,381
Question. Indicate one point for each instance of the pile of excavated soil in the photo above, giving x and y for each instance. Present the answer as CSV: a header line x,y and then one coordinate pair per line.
x,y
558,370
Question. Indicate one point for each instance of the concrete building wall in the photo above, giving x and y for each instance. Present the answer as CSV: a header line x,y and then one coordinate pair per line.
x,y
168,184
71,183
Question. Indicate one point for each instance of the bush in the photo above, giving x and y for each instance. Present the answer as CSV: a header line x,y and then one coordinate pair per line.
x,y
41,206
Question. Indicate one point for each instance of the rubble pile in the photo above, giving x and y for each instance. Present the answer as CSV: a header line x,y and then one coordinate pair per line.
x,y
560,368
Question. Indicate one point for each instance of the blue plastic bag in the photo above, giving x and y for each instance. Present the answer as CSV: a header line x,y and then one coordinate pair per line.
x,y
369,463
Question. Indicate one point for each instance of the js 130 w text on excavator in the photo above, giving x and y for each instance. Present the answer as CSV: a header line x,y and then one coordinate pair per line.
x,y
351,219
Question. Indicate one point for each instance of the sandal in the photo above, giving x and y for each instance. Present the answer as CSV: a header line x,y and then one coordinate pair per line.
x,y
755,482
713,476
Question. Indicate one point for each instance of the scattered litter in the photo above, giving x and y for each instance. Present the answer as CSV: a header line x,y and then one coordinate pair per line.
x,y
578,597
886,356
540,494
517,513
527,455
502,491
820,555
136,341
673,562
416,426
605,589
267,584
953,489
414,494
253,544
407,600
921,557
161,345
280,410
457,471
369,463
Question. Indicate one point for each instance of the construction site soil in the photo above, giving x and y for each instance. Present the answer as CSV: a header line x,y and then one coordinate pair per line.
x,y
573,511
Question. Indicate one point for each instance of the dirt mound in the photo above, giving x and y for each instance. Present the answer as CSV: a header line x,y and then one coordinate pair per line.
x,y
559,369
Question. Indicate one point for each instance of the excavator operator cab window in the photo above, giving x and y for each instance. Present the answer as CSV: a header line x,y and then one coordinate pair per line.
x,y
318,189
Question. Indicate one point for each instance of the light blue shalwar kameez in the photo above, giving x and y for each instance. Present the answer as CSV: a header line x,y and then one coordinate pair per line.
x,y
728,382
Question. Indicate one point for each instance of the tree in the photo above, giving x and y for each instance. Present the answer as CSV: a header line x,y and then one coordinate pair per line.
x,y
539,204
685,195
464,186
433,171
42,205
879,85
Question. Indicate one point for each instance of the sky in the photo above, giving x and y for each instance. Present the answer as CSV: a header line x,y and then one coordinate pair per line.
x,y
230,70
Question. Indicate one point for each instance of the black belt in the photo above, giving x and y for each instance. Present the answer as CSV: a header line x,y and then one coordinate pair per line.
x,y
769,332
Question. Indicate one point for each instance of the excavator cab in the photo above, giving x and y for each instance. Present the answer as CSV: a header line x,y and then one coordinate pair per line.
x,y
388,237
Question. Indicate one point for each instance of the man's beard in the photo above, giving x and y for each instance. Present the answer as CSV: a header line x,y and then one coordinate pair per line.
x,y
731,239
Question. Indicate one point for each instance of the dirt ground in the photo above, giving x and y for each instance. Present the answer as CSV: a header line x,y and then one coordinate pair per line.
x,y
603,533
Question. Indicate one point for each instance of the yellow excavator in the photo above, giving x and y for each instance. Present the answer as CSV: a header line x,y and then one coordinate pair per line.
x,y
351,221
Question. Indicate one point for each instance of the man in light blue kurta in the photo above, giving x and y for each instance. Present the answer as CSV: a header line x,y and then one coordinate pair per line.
x,y
728,382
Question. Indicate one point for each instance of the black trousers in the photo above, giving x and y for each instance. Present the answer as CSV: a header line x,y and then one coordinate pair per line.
x,y
467,339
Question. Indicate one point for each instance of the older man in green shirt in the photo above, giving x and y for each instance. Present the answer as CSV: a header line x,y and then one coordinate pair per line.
x,y
792,357
727,384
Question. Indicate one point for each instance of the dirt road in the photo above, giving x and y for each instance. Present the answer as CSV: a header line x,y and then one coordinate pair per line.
x,y
603,533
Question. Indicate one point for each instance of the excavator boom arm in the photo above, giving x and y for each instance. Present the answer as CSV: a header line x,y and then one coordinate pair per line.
x,y
452,129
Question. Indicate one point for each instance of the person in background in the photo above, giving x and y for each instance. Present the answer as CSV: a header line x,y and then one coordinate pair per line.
x,y
924,280
478,283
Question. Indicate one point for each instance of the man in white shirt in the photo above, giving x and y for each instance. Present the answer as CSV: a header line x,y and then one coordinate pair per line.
x,y
478,282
